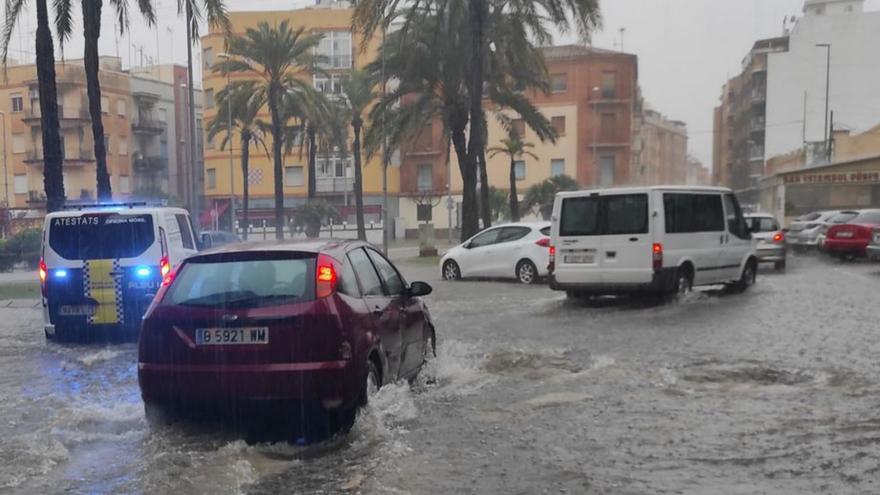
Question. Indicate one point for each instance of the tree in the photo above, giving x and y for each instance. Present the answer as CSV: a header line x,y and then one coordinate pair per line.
x,y
91,14
53,178
514,148
497,203
240,103
542,195
358,91
273,54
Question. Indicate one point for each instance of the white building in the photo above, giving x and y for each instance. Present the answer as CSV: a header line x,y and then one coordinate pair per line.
x,y
854,36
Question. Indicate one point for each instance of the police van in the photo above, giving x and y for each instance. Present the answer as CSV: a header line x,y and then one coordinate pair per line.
x,y
101,265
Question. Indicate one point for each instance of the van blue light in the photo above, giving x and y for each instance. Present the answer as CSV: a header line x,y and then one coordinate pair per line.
x,y
61,273
143,271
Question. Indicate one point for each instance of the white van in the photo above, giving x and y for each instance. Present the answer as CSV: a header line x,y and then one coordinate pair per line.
x,y
649,239
100,266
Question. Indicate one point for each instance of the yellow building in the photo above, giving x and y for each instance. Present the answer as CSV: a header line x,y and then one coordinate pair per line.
x,y
20,107
334,176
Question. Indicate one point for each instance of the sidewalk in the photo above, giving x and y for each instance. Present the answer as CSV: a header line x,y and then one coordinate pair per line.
x,y
18,275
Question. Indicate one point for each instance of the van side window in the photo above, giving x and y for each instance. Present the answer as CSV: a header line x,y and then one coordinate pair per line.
x,y
579,216
687,213
736,223
186,237
626,214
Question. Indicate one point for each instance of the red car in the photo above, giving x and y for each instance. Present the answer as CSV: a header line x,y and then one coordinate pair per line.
x,y
850,240
313,324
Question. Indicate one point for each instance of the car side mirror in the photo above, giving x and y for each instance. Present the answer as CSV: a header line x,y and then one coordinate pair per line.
x,y
418,289
467,245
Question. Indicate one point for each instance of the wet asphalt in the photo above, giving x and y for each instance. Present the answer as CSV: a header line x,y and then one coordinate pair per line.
x,y
772,391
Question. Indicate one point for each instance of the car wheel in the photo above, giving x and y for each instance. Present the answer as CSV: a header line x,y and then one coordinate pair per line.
x,y
451,271
526,272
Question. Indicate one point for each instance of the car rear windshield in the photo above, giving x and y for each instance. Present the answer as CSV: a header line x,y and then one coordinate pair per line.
x,y
868,217
844,217
809,217
244,281
762,224
101,236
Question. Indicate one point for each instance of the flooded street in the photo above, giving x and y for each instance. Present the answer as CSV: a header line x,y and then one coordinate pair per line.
x,y
773,391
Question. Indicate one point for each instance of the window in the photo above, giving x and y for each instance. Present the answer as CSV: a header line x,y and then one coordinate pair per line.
x,y
609,84
18,143
293,176
332,84
123,146
559,82
426,177
208,57
163,115
558,125
557,167
486,238
105,104
335,50
686,213
163,150
394,284
211,178
101,236
209,98
580,216
366,273
510,234
348,281
120,107
185,233
518,126
21,184
331,166
519,169
607,166
17,102
124,184
736,224
625,214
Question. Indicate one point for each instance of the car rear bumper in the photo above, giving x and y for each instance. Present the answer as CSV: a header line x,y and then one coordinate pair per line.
x,y
331,383
663,280
853,246
770,254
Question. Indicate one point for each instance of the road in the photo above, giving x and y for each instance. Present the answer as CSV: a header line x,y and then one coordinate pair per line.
x,y
772,391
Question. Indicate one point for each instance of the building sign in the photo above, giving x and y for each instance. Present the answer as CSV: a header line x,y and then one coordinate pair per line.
x,y
834,178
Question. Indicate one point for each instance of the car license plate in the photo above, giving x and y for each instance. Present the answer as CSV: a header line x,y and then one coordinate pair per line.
x,y
844,234
77,310
586,257
232,336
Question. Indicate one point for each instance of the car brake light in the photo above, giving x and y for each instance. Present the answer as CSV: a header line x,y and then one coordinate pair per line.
x,y
551,267
166,271
779,237
43,272
657,255
325,276
544,242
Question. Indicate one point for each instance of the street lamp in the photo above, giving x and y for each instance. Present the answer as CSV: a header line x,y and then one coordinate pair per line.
x,y
596,135
226,56
5,170
827,47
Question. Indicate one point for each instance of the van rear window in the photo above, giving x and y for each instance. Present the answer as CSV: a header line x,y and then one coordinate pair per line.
x,y
93,236
618,214
580,217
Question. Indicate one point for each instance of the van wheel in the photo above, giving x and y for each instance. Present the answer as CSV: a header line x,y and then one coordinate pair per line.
x,y
451,270
526,272
748,277
684,283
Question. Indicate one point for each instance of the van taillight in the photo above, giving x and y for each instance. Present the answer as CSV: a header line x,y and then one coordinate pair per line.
x,y
544,242
325,276
166,271
551,267
657,255
44,272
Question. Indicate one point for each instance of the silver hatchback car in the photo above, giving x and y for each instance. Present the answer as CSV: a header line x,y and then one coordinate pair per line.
x,y
770,237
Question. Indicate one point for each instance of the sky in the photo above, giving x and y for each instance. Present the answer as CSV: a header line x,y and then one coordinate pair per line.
x,y
687,49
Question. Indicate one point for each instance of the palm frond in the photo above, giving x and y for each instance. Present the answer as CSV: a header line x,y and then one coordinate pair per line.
x,y
63,21
13,12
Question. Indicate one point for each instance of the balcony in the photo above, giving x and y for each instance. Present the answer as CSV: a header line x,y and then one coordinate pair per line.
x,y
148,126
757,125
66,118
756,153
150,165
330,185
77,158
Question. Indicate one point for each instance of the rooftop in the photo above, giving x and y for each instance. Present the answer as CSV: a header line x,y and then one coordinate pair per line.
x,y
574,51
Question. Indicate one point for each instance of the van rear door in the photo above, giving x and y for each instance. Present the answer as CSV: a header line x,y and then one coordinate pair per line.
x,y
625,255
577,239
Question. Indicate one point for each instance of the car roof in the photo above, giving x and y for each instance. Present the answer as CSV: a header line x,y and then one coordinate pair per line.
x,y
333,247
533,225
630,190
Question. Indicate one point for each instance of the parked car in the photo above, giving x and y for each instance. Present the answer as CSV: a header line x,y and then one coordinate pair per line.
x,y
770,239
874,246
838,219
320,325
514,250
850,240
101,265
651,239
214,238
804,231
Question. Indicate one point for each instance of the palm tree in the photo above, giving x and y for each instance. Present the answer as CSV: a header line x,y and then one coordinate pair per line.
x,y
359,94
91,12
514,148
53,157
240,104
273,54
541,196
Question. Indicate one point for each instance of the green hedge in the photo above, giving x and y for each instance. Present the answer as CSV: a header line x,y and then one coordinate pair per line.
x,y
22,247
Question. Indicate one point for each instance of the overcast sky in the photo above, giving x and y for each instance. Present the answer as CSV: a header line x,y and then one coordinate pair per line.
x,y
687,48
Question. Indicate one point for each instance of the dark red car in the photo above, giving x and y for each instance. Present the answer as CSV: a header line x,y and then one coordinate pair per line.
x,y
851,239
312,324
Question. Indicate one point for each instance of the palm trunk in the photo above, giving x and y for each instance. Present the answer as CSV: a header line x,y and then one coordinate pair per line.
x,y
469,186
477,14
245,156
313,151
485,205
53,180
514,200
195,172
91,31
277,138
356,123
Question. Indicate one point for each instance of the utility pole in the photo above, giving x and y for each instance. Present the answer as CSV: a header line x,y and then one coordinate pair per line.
x,y
830,144
827,47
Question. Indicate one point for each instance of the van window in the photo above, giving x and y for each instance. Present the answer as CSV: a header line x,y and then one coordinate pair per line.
x,y
579,216
688,213
736,223
186,237
625,214
94,236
